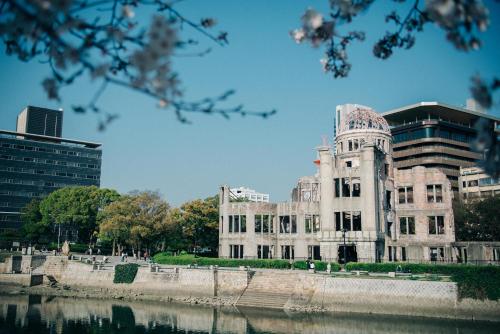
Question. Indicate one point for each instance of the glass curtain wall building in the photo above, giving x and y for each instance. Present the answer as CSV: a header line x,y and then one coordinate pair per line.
x,y
32,166
434,134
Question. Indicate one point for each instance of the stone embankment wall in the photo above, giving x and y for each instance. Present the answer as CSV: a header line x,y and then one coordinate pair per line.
x,y
169,282
306,291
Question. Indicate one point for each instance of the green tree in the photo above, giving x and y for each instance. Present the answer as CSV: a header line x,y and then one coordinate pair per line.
x,y
477,221
76,207
34,229
137,220
200,222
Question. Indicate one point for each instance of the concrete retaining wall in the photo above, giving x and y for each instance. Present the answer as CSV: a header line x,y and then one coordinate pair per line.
x,y
338,294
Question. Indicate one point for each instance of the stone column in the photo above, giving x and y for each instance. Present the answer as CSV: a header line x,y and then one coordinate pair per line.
x,y
224,219
328,248
326,179
369,190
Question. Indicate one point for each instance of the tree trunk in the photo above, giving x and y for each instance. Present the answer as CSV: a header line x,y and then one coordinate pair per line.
x,y
113,250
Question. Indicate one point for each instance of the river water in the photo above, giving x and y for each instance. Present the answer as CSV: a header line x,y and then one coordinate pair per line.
x,y
56,315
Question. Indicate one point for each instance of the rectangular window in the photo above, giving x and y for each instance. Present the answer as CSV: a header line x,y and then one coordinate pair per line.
x,y
350,145
236,222
230,224
346,188
337,187
346,221
405,195
265,223
403,225
403,253
434,193
243,222
439,193
316,223
236,251
263,252
308,223
356,221
271,224
221,224
287,252
356,187
294,224
258,223
436,225
407,225
284,224
338,222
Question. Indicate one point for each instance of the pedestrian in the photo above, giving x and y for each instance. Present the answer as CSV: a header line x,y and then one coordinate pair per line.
x,y
123,257
98,251
146,255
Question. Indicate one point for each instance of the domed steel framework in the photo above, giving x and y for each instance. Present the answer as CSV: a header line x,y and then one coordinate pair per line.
x,y
363,119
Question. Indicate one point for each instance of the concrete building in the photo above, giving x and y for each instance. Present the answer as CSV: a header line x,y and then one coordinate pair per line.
x,y
357,207
33,165
474,183
248,194
433,134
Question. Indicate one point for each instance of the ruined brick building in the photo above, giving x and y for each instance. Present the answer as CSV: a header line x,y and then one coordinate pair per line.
x,y
357,207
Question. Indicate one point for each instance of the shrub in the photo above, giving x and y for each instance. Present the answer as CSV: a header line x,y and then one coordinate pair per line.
x,y
125,273
478,282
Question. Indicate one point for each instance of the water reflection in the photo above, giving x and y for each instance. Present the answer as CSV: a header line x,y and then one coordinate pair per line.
x,y
37,314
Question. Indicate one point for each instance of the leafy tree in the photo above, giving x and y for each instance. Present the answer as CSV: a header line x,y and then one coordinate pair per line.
x,y
76,207
478,220
34,230
200,222
137,220
115,220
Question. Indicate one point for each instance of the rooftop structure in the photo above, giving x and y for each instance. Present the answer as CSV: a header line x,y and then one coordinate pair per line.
x,y
40,121
434,134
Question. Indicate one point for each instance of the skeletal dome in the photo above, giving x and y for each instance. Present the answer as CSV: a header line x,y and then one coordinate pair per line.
x,y
364,119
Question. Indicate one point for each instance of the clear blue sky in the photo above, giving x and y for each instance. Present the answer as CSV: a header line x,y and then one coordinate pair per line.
x,y
148,149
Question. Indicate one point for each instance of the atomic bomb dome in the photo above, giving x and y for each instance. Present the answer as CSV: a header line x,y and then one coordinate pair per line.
x,y
363,119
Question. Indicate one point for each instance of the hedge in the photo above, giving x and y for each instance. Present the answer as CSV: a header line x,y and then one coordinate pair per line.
x,y
318,265
478,282
125,273
166,258
163,258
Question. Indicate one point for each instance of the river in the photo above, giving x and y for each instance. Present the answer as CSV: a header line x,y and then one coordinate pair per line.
x,y
57,315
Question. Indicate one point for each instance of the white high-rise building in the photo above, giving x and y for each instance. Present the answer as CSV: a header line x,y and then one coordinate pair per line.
x,y
249,194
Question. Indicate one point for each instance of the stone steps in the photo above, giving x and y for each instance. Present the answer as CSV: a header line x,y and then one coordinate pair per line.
x,y
267,290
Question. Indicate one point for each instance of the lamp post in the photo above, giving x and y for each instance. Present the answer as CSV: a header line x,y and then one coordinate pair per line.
x,y
343,236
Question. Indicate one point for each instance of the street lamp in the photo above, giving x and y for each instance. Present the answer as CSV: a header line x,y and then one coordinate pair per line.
x,y
343,236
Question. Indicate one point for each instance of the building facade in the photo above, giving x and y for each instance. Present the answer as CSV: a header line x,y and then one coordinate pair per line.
x,y
357,207
433,134
474,184
33,165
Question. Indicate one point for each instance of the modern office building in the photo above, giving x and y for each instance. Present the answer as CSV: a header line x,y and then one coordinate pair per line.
x,y
357,207
433,134
40,121
475,184
248,194
33,165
